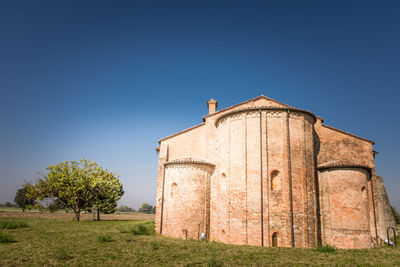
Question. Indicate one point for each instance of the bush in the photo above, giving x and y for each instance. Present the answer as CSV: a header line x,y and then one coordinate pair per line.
x,y
143,229
105,238
327,249
146,228
12,224
6,238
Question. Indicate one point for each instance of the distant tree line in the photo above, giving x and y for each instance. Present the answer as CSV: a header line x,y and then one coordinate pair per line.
x,y
8,205
124,208
149,209
145,207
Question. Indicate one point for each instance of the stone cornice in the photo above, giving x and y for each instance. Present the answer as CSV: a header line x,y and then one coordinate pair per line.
x,y
342,166
265,108
191,161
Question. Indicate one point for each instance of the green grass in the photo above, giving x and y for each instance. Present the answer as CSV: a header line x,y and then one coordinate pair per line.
x,y
143,229
104,238
6,238
326,249
69,243
12,224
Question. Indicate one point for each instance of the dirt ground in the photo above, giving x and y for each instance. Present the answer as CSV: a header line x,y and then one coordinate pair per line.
x,y
62,215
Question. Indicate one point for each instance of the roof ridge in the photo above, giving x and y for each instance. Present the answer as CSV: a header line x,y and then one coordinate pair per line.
x,y
244,102
344,132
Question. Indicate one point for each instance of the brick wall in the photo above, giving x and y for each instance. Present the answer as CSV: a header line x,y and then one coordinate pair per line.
x,y
244,197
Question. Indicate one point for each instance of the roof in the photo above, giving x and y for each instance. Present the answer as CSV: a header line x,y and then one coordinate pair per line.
x,y
247,101
183,131
269,99
350,134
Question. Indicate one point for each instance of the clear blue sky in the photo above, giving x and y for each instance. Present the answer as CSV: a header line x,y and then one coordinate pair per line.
x,y
105,80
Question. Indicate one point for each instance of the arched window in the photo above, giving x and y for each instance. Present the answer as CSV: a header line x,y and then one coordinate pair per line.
x,y
275,239
275,180
364,193
223,175
173,189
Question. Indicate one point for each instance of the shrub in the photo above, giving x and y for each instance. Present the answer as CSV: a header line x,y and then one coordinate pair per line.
x,y
105,238
327,249
12,224
6,238
143,229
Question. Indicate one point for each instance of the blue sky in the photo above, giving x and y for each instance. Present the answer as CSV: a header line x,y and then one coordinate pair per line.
x,y
105,80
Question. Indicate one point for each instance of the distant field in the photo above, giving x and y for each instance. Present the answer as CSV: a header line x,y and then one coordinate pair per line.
x,y
58,242
15,213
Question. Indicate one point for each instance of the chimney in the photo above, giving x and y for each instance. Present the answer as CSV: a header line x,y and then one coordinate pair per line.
x,y
212,106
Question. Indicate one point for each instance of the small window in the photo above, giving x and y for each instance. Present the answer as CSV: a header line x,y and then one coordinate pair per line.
x,y
364,193
275,180
363,189
275,239
223,175
173,189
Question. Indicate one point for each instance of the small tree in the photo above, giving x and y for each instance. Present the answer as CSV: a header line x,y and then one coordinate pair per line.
x,y
24,197
78,185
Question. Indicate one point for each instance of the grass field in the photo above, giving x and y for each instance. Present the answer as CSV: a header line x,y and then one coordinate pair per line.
x,y
44,241
17,213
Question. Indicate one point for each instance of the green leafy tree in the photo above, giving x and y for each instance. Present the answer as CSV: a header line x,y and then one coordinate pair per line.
x,y
24,197
78,185
107,193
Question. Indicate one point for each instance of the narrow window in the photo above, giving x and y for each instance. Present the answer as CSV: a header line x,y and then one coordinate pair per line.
x,y
364,193
173,189
274,180
275,239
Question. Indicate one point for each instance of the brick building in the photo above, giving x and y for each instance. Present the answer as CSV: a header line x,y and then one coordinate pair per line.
x,y
267,174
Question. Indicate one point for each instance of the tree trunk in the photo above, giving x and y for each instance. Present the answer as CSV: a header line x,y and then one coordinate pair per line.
x,y
77,215
98,214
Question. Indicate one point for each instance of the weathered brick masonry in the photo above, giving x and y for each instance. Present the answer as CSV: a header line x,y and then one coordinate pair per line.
x,y
267,174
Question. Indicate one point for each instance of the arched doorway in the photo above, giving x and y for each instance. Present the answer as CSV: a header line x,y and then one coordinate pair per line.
x,y
275,239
